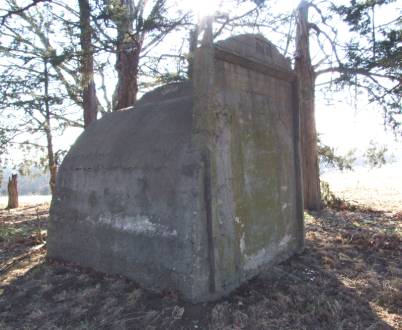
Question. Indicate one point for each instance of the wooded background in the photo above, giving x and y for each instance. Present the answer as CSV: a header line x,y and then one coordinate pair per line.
x,y
66,63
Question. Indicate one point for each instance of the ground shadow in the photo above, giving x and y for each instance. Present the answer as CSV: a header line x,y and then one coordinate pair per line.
x,y
333,284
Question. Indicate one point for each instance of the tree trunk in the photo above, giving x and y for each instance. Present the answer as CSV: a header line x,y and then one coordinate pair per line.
x,y
128,55
12,188
306,77
127,71
51,163
89,99
49,138
193,39
129,45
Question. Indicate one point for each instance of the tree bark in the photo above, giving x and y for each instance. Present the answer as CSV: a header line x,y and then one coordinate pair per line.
x,y
193,39
12,188
127,73
306,77
49,138
51,163
89,99
129,45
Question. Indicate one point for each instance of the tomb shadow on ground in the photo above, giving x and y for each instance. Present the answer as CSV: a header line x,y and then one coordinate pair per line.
x,y
304,292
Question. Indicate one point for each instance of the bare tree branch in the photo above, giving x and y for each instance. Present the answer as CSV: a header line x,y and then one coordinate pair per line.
x,y
20,10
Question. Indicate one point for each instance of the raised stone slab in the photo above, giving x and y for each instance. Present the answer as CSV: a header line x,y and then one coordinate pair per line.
x,y
196,189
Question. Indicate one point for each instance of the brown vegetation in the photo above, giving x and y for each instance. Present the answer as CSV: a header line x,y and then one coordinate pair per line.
x,y
348,277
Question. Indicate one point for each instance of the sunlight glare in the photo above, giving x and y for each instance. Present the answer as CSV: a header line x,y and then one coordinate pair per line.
x,y
204,8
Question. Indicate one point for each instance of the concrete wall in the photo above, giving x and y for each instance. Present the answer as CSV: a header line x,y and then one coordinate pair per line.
x,y
257,217
128,196
198,187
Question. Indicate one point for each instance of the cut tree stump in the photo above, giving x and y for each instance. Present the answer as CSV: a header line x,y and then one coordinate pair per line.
x,y
12,192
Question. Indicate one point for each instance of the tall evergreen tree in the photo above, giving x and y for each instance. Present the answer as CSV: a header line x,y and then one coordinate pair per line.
x,y
36,80
370,59
139,27
373,59
89,98
306,90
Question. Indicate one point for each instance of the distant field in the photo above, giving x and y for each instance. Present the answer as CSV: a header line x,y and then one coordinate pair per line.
x,y
27,200
378,188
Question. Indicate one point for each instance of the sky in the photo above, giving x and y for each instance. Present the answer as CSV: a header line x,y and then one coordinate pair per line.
x,y
345,127
346,122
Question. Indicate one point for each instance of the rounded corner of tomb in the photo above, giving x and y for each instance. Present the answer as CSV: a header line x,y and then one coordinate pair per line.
x,y
167,91
130,154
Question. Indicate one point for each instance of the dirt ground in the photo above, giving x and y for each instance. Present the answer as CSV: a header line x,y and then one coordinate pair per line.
x,y
348,277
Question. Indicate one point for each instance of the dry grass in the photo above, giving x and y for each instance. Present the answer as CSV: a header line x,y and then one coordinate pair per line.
x,y
349,277
380,189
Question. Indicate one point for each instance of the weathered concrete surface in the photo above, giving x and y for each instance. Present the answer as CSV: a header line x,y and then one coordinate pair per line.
x,y
249,120
128,198
196,189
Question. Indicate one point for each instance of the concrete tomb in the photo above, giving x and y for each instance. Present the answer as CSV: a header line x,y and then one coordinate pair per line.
x,y
197,188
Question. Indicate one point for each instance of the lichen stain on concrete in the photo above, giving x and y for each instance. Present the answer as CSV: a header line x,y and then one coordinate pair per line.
x,y
242,244
139,224
256,260
285,241
264,255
